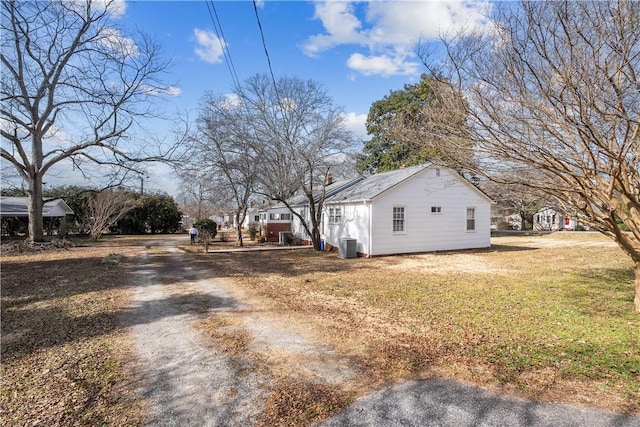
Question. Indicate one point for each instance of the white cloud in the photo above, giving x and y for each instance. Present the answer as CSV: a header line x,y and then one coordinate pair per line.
x,y
341,24
230,101
382,65
171,90
389,29
115,8
117,43
210,47
356,123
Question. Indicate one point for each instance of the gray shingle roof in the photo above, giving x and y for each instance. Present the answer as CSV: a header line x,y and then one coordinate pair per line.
x,y
17,206
376,184
332,189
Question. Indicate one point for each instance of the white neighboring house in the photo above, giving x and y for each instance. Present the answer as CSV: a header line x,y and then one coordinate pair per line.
x,y
18,206
550,219
274,220
415,209
252,216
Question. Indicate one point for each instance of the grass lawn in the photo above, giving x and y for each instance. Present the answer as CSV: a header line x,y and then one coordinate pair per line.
x,y
64,348
544,317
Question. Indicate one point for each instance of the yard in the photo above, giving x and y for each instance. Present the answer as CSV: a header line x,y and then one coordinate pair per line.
x,y
543,317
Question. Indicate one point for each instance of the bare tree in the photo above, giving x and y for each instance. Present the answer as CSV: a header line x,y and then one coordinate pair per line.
x,y
105,208
299,134
222,151
556,87
73,88
276,139
197,195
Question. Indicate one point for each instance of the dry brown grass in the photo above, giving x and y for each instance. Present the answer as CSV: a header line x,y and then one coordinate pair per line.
x,y
548,318
64,350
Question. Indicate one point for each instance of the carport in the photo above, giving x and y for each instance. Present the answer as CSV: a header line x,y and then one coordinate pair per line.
x,y
19,207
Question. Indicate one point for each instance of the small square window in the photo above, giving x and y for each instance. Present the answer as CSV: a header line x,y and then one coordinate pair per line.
x,y
436,209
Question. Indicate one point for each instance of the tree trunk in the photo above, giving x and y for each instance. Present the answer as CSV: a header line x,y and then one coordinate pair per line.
x,y
36,223
315,238
239,240
636,300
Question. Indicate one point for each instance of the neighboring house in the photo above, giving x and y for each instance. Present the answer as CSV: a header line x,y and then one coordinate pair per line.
x,y
550,219
415,209
19,206
274,220
252,216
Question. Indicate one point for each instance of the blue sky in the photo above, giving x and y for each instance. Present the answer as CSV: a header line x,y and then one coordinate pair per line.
x,y
359,51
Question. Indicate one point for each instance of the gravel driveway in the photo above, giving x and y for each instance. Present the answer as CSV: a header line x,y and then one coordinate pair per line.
x,y
187,382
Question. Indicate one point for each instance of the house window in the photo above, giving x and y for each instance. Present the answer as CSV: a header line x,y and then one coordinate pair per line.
x,y
335,215
436,209
398,219
471,219
280,217
256,218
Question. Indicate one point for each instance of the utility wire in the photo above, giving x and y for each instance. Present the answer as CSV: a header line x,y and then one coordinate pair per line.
x,y
264,44
223,43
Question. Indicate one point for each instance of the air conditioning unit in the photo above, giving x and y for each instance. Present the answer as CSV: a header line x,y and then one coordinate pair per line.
x,y
348,248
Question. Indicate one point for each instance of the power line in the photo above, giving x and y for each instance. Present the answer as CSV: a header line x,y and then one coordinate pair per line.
x,y
213,14
264,44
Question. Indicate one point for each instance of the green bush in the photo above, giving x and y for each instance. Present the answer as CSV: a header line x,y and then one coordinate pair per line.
x,y
207,225
253,230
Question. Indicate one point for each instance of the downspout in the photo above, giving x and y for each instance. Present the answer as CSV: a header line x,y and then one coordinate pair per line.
x,y
370,228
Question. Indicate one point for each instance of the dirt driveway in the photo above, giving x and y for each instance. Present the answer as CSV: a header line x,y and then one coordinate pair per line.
x,y
190,376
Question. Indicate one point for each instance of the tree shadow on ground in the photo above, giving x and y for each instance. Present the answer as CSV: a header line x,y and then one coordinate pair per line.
x,y
44,327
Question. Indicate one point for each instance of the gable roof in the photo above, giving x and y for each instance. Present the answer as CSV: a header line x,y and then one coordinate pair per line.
x,y
18,206
375,185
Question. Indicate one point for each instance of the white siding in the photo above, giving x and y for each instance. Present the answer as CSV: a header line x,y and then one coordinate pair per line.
x,y
296,226
354,225
424,230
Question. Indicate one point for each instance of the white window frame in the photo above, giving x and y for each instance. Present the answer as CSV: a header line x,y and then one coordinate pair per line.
x,y
472,210
280,216
436,210
335,215
401,221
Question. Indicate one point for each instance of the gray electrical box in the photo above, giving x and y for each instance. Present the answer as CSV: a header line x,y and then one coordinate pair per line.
x,y
348,248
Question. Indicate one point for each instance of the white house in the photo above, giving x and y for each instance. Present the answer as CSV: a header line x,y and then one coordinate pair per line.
x,y
415,209
550,219
18,206
274,220
301,205
252,216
